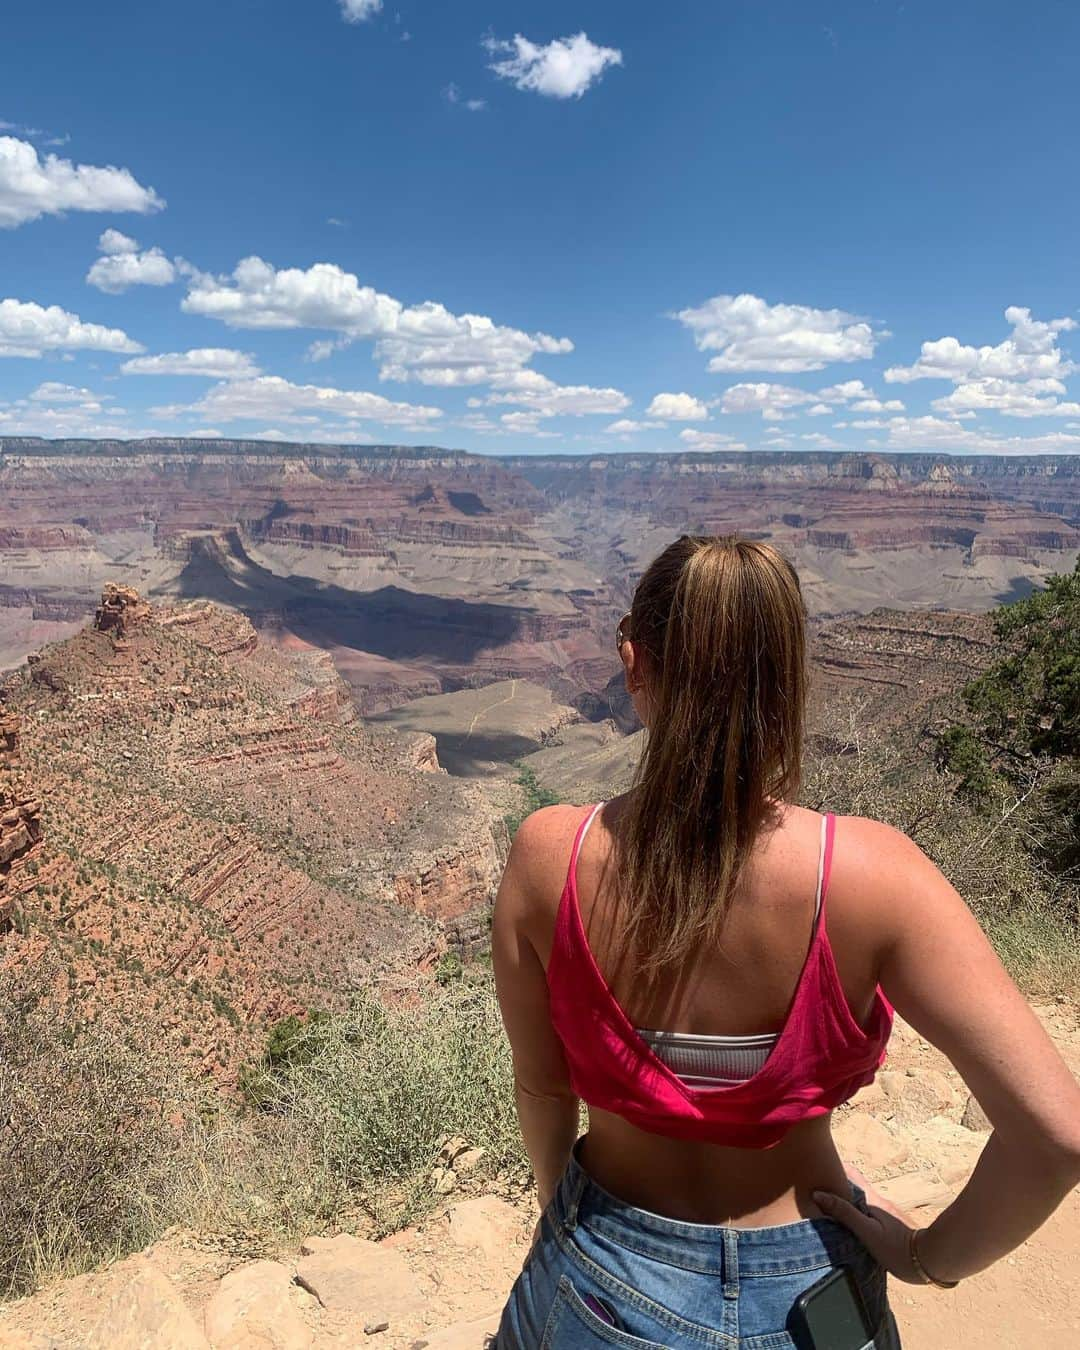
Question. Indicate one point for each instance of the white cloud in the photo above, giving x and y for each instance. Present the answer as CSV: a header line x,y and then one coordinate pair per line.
x,y
864,423
544,398
275,399
32,187
822,441
626,426
678,408
845,392
438,348
359,11
1029,353
939,433
423,342
1011,398
820,410
750,334
452,94
525,424
257,295
122,265
28,329
564,68
775,402
112,241
708,440
876,405
62,410
52,392
219,363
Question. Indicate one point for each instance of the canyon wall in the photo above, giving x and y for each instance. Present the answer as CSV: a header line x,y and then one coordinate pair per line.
x,y
423,571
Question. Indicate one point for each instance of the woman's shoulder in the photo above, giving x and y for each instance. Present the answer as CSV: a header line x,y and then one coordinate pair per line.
x,y
862,839
546,835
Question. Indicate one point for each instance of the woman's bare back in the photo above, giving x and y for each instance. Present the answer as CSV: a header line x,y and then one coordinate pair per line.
x,y
741,983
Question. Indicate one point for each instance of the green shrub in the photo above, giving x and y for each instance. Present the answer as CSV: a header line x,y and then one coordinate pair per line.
x,y
534,796
378,1088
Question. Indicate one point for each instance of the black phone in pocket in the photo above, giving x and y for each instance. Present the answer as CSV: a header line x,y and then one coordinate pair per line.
x,y
831,1315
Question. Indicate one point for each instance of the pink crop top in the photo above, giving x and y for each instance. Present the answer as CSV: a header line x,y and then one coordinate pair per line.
x,y
821,1056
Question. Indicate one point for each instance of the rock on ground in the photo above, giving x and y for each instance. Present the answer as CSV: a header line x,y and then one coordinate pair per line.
x,y
147,1311
360,1280
252,1309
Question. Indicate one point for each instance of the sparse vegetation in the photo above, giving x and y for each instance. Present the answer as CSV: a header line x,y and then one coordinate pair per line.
x,y
105,1141
985,844
378,1088
534,796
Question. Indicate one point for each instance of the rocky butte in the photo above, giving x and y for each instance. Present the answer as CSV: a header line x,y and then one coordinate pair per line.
x,y
198,830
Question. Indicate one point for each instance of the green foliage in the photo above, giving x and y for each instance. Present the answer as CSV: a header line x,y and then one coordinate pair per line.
x,y
960,752
450,969
1028,703
534,797
1024,720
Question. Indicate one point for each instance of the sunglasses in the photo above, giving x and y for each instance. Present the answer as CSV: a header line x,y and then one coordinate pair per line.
x,y
621,635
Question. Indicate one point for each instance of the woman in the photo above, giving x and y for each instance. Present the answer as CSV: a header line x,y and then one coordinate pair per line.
x,y
713,969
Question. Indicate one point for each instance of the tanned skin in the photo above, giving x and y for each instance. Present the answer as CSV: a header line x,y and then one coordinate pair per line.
x,y
893,918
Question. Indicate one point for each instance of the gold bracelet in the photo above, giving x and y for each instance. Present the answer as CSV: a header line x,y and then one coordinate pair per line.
x,y
916,1261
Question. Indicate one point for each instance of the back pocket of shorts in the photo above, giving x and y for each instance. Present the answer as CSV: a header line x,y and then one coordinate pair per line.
x,y
572,1325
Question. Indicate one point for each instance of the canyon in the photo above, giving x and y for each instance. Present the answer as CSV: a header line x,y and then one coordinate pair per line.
x,y
269,705
423,571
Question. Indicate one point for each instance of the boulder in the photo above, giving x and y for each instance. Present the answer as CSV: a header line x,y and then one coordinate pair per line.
x,y
468,1161
252,1309
866,1142
487,1223
146,1311
974,1117
916,1190
360,1280
917,1094
472,1335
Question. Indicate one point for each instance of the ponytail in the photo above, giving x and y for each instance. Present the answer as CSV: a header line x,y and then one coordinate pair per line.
x,y
718,626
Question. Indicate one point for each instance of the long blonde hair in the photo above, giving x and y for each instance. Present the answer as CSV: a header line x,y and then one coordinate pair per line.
x,y
718,628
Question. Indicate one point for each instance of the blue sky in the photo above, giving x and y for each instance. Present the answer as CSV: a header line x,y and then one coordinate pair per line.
x,y
544,227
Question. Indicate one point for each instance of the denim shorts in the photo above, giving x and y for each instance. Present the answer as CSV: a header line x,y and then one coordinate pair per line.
x,y
671,1284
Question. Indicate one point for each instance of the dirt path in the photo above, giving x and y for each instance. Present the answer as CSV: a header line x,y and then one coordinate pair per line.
x,y
491,706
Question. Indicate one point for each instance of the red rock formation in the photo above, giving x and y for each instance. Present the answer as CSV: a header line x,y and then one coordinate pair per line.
x,y
121,611
20,819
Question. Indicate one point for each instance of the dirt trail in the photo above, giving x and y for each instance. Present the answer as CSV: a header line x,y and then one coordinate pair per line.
x,y
441,1285
492,706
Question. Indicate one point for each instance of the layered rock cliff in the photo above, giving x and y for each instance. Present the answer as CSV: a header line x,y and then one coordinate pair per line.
x,y
227,842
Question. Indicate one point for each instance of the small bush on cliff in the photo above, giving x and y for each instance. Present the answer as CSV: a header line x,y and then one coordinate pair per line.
x,y
534,796
377,1088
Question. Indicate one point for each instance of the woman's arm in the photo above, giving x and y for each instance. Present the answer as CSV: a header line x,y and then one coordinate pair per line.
x,y
547,1107
945,979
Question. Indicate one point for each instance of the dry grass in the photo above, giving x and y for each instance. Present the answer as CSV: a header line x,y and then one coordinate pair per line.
x,y
990,855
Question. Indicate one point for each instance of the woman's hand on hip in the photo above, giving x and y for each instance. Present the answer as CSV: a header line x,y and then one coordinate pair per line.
x,y
884,1230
